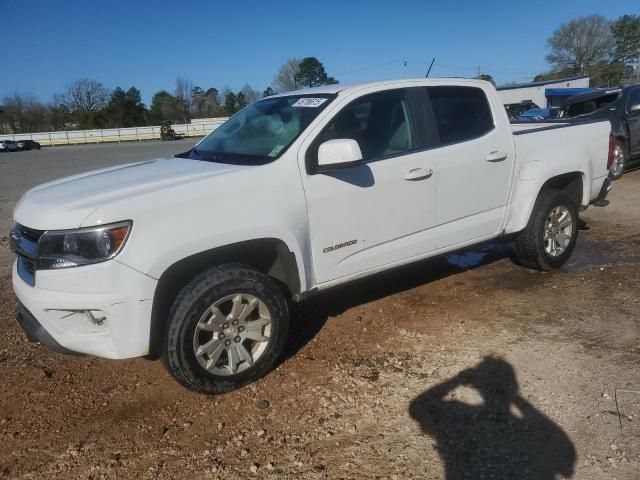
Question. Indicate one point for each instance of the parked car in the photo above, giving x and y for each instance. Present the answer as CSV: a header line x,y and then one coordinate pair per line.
x,y
8,146
622,108
514,110
28,145
197,257
538,114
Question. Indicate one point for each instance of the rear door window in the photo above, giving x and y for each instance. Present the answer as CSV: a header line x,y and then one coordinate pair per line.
x,y
460,113
634,98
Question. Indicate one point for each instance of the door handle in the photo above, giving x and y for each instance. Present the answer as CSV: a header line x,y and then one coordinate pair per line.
x,y
418,174
496,156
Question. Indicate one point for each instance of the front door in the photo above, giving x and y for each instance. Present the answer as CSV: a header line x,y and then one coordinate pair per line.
x,y
379,213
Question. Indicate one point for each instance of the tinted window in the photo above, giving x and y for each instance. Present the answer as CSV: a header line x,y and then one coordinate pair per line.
x,y
380,123
634,98
591,105
461,113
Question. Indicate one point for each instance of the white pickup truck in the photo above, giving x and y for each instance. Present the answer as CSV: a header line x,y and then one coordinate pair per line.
x,y
195,258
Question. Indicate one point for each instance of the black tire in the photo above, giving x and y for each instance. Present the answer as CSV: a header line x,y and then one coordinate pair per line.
x,y
188,308
530,243
620,146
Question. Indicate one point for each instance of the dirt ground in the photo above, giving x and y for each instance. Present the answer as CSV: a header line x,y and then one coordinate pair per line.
x,y
535,373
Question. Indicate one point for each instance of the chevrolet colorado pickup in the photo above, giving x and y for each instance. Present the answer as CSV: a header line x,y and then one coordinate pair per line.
x,y
197,258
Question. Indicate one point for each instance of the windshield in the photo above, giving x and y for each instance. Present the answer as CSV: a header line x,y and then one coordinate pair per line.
x,y
261,132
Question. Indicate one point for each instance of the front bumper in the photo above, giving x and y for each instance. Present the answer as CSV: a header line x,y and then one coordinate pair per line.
x,y
35,332
102,309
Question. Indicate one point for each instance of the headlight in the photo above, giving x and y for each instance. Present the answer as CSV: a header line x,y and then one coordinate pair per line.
x,y
72,248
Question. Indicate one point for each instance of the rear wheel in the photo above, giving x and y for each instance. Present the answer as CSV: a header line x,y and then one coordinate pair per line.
x,y
227,328
619,161
550,237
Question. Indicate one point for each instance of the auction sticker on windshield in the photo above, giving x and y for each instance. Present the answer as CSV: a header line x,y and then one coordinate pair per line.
x,y
309,102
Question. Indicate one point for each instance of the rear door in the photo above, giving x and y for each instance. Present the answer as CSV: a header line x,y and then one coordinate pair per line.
x,y
473,162
633,120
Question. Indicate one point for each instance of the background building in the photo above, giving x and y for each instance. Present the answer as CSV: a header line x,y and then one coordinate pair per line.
x,y
543,94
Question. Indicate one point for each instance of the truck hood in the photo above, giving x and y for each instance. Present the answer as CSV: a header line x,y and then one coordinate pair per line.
x,y
66,202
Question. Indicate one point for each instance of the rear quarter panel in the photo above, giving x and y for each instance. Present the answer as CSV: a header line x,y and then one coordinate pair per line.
x,y
545,151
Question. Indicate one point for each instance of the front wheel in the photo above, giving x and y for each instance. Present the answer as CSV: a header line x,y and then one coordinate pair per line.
x,y
619,161
227,328
550,237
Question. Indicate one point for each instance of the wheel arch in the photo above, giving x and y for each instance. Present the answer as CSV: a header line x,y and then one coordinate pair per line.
x,y
270,256
572,183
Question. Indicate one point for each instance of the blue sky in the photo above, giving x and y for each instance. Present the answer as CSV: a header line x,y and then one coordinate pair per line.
x,y
220,43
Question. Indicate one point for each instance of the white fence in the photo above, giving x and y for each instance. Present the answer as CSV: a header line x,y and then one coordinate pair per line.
x,y
75,137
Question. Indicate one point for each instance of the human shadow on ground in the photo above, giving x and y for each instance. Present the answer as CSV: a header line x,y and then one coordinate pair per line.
x,y
505,437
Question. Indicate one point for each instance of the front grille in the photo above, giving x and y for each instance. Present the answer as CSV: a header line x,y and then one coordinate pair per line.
x,y
24,242
29,266
27,270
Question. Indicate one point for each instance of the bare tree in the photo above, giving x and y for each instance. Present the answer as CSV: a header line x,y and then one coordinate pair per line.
x,y
184,86
285,79
83,96
56,117
23,113
579,44
250,95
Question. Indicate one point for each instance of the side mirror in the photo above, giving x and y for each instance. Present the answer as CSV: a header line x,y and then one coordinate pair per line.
x,y
339,153
635,108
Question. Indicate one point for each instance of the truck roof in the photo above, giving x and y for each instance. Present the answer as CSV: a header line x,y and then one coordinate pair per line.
x,y
348,88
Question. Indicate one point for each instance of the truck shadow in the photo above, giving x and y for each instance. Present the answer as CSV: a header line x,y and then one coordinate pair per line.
x,y
503,437
309,316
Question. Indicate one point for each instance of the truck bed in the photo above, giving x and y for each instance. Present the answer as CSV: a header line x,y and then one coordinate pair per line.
x,y
570,140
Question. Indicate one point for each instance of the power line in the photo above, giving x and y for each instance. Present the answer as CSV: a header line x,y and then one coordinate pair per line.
x,y
434,65
468,69
371,67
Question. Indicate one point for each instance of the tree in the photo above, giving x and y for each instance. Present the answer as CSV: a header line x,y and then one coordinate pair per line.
x,y
311,73
285,79
553,75
250,95
579,44
23,113
125,109
230,102
626,37
241,101
268,92
83,96
183,90
57,117
205,103
486,77
161,103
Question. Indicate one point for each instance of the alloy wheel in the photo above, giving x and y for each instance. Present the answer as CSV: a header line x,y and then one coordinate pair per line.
x,y
232,334
558,231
